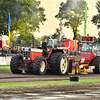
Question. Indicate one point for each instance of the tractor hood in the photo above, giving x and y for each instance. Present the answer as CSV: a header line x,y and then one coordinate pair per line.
x,y
31,53
32,49
88,55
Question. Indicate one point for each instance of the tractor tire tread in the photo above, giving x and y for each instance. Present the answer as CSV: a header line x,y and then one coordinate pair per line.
x,y
14,64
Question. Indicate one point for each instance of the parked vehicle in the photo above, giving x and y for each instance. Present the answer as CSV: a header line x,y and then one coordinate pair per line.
x,y
88,51
4,45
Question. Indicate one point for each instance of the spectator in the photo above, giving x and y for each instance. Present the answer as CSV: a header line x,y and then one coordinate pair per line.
x,y
19,51
9,51
4,51
68,51
16,50
76,52
71,52
12,50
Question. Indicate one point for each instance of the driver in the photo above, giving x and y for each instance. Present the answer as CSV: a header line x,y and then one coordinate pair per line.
x,y
44,45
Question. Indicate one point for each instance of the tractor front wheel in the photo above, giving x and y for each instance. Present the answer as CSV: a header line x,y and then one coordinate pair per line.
x,y
14,64
39,66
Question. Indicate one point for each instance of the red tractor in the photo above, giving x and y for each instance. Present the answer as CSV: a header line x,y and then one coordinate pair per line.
x,y
89,52
65,44
34,61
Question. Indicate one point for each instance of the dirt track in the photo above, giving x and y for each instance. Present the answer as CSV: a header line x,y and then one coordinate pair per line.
x,y
90,91
86,91
9,77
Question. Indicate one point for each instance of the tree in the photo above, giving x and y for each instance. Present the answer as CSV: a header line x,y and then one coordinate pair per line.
x,y
96,18
56,35
26,40
26,15
72,13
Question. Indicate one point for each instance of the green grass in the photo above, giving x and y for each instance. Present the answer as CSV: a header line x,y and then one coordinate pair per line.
x,y
4,69
4,65
12,84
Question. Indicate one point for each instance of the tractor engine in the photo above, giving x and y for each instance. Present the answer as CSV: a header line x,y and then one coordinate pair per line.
x,y
31,53
26,53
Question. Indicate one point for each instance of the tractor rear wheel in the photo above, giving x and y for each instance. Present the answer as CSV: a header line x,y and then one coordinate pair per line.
x,y
39,66
96,63
62,64
15,60
53,62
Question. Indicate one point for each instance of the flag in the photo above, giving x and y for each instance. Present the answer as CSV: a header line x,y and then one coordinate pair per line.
x,y
9,22
60,30
85,19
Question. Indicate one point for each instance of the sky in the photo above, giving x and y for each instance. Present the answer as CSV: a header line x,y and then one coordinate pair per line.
x,y
52,8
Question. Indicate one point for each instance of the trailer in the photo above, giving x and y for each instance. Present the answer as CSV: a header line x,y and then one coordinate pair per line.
x,y
4,45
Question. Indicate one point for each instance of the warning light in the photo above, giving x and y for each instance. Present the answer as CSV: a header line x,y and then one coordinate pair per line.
x,y
87,39
88,34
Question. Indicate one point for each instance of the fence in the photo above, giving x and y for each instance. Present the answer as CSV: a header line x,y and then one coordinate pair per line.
x,y
5,60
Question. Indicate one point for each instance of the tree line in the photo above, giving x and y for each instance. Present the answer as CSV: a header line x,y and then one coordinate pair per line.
x,y
27,15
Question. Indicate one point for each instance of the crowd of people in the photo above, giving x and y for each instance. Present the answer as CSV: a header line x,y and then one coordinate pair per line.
x,y
15,50
10,51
